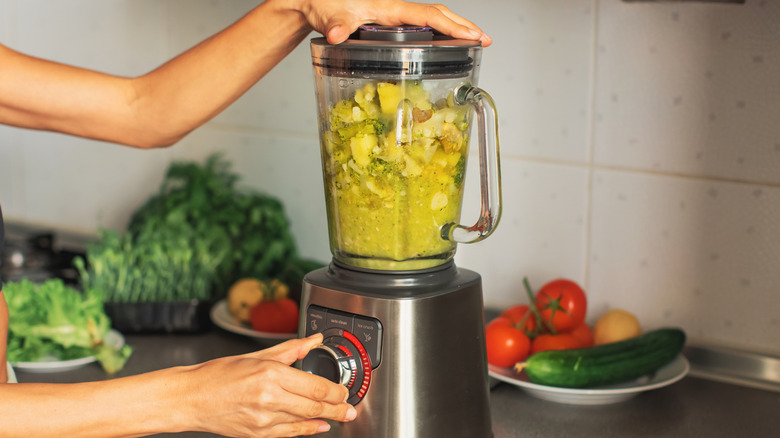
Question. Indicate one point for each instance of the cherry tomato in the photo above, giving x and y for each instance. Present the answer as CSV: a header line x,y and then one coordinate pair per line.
x,y
277,316
521,314
562,304
506,345
584,334
561,341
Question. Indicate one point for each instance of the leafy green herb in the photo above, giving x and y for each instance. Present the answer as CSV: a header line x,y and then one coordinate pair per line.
x,y
158,264
52,321
193,239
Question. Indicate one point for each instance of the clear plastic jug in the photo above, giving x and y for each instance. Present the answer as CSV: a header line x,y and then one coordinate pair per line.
x,y
396,107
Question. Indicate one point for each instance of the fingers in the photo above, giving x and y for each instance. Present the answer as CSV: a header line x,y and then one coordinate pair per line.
x,y
314,387
300,428
442,19
337,34
471,28
290,351
303,396
311,396
306,408
396,12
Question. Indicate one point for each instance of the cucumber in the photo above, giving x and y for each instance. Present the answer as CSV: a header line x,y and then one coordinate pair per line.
x,y
605,364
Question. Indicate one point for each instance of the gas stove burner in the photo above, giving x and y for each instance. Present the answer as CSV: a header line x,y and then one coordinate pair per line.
x,y
32,256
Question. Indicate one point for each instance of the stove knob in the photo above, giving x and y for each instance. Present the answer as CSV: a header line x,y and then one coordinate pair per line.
x,y
332,361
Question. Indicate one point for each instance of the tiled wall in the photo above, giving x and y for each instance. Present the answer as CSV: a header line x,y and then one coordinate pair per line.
x,y
640,147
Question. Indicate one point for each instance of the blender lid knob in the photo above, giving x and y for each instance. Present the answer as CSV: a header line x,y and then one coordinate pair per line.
x,y
405,32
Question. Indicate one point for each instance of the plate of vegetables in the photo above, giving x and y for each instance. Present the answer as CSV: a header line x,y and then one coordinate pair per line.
x,y
51,364
259,309
548,350
53,327
664,376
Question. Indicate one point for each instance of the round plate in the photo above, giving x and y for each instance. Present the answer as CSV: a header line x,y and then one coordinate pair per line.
x,y
221,316
113,338
666,375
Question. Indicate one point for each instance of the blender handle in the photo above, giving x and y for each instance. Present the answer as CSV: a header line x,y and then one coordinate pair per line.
x,y
489,168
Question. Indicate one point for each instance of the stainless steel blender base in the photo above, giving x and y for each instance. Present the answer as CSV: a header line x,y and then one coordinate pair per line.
x,y
427,374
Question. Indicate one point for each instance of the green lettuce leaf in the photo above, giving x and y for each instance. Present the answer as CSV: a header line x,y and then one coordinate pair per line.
x,y
51,321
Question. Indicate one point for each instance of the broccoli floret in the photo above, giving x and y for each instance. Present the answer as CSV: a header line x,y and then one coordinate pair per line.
x,y
366,127
379,125
460,171
342,114
378,166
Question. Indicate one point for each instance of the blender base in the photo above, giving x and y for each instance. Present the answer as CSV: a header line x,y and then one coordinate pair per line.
x,y
421,363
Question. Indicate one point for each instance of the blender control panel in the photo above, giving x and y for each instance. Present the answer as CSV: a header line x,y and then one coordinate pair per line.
x,y
351,348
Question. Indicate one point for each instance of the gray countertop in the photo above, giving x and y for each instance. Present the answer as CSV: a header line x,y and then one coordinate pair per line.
x,y
692,407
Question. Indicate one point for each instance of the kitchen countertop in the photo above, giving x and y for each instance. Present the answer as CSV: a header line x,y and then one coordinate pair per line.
x,y
692,407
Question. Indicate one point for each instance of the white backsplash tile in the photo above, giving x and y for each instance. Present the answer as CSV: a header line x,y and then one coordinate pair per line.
x,y
538,71
124,37
84,185
690,88
7,21
698,254
11,170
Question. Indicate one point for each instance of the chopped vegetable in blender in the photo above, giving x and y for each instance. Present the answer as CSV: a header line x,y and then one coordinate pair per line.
x,y
394,167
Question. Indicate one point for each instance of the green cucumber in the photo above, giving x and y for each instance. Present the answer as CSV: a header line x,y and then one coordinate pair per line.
x,y
605,364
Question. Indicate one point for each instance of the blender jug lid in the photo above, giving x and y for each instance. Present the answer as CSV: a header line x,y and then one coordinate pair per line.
x,y
391,51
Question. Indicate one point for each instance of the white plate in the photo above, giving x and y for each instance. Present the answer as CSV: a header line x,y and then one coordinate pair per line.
x,y
10,371
221,316
666,375
113,338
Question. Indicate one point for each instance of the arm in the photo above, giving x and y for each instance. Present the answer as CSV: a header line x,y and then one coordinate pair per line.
x,y
3,329
161,107
256,395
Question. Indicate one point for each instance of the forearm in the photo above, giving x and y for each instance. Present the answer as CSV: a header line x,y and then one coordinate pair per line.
x,y
132,406
200,83
158,108
3,336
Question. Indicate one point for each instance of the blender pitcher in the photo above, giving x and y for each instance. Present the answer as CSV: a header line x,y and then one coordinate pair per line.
x,y
395,117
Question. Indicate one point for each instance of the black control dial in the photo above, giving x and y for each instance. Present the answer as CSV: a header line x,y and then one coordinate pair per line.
x,y
332,360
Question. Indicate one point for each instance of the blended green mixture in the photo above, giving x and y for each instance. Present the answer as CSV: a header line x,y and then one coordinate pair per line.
x,y
394,163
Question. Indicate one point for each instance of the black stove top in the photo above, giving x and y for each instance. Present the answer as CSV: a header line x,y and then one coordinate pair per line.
x,y
34,255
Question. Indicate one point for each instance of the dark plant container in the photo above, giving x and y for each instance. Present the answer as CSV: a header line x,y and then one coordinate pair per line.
x,y
160,317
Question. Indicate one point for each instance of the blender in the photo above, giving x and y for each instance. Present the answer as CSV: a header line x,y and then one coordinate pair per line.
x,y
403,327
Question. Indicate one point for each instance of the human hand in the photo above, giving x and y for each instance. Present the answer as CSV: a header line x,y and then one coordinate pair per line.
x,y
337,19
260,395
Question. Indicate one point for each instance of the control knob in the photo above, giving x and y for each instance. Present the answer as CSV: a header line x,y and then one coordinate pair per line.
x,y
333,361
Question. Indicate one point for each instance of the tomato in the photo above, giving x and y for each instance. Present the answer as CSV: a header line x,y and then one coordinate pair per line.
x,y
562,304
583,334
275,316
506,345
561,341
521,314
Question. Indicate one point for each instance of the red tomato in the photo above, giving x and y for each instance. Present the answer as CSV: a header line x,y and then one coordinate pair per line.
x,y
279,316
562,304
562,341
521,314
583,334
506,345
